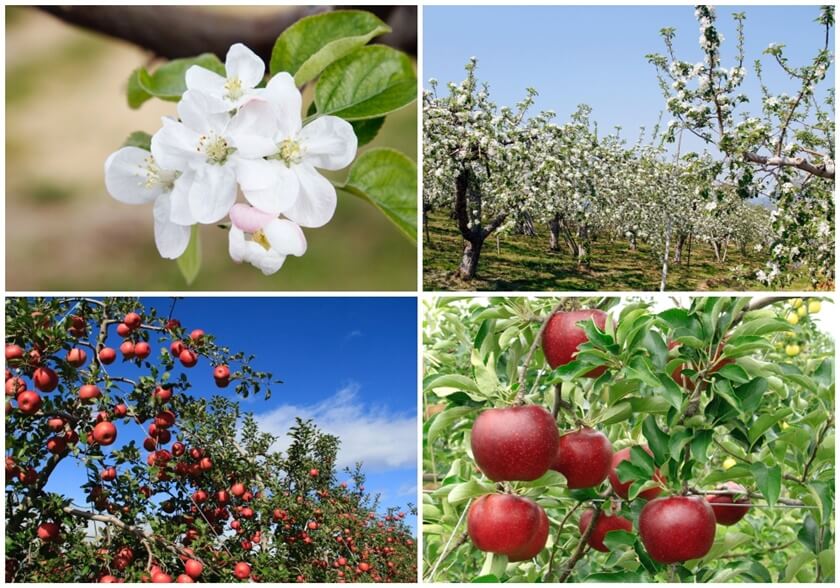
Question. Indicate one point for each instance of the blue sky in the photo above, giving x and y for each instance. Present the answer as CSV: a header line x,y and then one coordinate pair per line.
x,y
596,54
348,363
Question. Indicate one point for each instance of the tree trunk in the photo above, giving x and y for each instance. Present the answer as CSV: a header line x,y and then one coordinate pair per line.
x,y
716,248
554,233
634,245
426,225
469,260
679,248
690,240
664,280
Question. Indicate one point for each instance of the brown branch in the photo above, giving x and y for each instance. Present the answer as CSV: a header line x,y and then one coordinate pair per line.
x,y
826,170
186,31
520,395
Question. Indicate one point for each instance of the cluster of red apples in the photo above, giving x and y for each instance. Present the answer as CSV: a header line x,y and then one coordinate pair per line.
x,y
522,443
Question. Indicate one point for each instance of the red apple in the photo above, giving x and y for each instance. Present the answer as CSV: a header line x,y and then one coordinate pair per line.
x,y
29,402
163,395
622,488
176,347
188,358
504,523
183,579
726,506
516,443
196,334
536,544
49,532
127,349
108,579
15,386
107,355
221,374
161,578
242,570
313,472
14,351
76,357
584,457
123,330
677,528
132,320
45,379
120,410
55,424
237,489
142,350
105,433
89,392
562,337
56,445
108,474
603,525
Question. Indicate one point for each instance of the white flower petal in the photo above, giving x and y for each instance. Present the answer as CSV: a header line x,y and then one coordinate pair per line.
x,y
179,199
315,205
285,237
283,94
171,239
328,142
126,176
173,146
241,250
252,130
212,193
203,80
268,185
244,64
200,112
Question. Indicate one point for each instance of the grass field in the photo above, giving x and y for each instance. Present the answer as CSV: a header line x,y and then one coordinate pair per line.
x,y
526,264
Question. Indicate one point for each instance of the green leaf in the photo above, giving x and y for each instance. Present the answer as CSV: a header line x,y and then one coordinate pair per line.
x,y
473,488
167,82
443,420
764,422
734,373
140,139
670,391
826,561
700,445
448,384
619,538
370,82
314,42
796,563
768,480
485,579
134,93
366,130
616,413
657,440
387,179
809,533
623,577
190,261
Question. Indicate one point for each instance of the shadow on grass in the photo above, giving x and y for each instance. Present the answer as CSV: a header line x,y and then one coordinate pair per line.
x,y
519,263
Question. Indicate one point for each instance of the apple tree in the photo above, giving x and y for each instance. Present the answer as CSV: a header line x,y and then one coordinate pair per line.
x,y
603,439
172,487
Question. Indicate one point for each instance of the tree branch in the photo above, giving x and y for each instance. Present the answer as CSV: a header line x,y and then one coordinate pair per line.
x,y
520,395
826,170
184,31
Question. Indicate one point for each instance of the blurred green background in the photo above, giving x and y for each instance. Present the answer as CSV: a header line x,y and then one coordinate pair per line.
x,y
66,112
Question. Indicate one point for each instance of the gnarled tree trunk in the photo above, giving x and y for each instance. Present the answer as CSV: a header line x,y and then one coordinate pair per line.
x,y
468,214
554,233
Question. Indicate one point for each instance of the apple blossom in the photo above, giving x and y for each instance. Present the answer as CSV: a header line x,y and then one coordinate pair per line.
x,y
287,180
270,239
133,176
206,148
244,71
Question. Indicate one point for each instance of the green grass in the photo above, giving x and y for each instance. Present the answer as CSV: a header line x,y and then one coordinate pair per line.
x,y
526,264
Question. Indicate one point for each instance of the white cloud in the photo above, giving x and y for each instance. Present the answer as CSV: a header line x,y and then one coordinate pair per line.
x,y
379,438
408,490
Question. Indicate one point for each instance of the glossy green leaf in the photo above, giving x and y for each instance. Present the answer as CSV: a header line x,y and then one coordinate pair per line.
x,y
768,480
140,139
369,83
367,129
443,421
167,82
314,42
387,179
